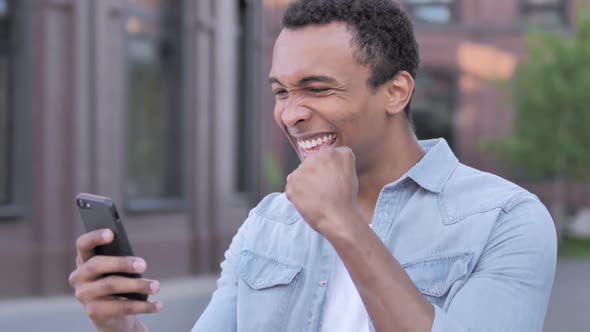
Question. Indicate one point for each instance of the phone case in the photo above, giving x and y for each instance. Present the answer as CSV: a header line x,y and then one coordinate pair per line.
x,y
99,212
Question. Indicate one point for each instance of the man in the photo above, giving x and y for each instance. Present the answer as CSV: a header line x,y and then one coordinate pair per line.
x,y
375,231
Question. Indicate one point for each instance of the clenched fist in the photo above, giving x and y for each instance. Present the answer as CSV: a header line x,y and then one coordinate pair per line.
x,y
324,188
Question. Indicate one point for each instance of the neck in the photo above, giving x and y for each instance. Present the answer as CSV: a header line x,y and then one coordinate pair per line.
x,y
403,152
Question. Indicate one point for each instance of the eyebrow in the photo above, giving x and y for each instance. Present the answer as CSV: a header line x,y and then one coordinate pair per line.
x,y
307,79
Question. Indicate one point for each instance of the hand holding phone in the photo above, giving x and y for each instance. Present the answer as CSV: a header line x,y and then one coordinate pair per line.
x,y
99,212
101,280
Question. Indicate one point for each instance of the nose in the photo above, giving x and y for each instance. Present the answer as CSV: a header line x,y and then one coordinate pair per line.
x,y
294,114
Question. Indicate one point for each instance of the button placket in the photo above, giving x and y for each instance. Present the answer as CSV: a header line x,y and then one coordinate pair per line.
x,y
320,293
388,205
384,203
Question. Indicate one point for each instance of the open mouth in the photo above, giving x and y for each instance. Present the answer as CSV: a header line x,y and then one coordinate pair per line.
x,y
313,144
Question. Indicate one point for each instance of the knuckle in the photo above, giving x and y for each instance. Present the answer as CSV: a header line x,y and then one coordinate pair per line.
x,y
125,264
92,265
79,294
93,312
80,242
139,285
108,285
347,153
128,308
144,285
73,278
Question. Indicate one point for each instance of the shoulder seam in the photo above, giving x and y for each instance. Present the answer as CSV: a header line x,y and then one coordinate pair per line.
x,y
516,199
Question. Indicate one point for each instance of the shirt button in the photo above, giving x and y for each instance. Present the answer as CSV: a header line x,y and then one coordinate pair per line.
x,y
438,287
323,283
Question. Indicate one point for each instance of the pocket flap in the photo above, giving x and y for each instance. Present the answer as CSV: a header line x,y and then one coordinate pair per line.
x,y
261,272
435,275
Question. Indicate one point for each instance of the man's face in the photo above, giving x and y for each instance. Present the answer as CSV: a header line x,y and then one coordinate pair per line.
x,y
322,95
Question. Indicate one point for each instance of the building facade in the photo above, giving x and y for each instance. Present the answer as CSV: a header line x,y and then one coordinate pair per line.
x,y
164,106
151,102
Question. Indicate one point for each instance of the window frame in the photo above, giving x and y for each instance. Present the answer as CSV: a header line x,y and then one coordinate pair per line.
x,y
452,77
20,105
245,117
158,204
454,8
563,6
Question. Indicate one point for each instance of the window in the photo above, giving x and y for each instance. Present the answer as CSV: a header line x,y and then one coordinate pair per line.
x,y
6,111
154,85
545,13
432,11
433,105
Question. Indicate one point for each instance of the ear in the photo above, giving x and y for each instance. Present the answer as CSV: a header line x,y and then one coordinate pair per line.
x,y
399,92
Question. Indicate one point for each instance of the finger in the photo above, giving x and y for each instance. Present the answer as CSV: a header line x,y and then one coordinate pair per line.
x,y
346,150
79,261
96,266
115,285
88,241
102,310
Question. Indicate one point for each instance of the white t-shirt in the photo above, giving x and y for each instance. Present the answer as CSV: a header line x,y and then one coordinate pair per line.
x,y
344,310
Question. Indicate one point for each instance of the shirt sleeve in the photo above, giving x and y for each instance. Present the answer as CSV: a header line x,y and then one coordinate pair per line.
x,y
510,286
221,313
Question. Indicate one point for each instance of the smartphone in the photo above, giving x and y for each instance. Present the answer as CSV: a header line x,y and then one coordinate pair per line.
x,y
99,212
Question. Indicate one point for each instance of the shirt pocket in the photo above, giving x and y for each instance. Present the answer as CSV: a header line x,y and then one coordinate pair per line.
x,y
438,277
265,289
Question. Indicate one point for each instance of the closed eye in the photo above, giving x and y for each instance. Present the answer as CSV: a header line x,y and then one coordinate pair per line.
x,y
318,90
280,92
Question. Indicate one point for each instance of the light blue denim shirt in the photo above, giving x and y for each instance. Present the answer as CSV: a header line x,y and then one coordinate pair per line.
x,y
479,248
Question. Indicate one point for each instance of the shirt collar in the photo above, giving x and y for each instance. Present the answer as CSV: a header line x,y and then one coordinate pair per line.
x,y
434,169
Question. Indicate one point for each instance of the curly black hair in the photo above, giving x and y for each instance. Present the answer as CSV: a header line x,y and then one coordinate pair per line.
x,y
382,31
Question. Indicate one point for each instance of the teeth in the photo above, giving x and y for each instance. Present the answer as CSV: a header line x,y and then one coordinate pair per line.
x,y
309,144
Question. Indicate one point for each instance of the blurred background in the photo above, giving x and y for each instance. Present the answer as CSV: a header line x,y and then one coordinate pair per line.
x,y
164,106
